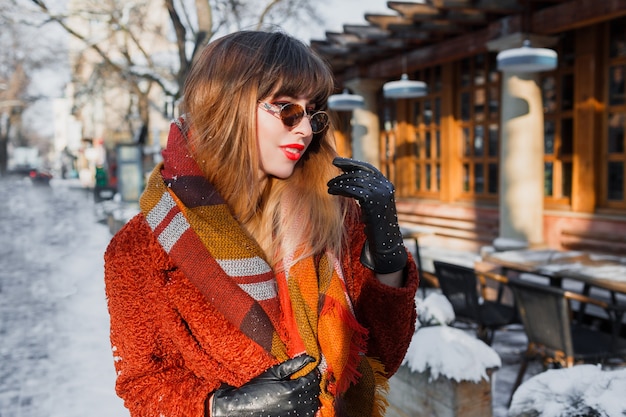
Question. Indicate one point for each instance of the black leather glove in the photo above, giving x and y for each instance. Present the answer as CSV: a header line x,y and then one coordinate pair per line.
x,y
273,393
384,250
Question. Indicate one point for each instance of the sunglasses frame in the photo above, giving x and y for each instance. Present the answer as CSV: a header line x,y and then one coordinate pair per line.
x,y
276,110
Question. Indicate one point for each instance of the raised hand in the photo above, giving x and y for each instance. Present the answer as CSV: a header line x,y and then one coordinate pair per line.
x,y
384,251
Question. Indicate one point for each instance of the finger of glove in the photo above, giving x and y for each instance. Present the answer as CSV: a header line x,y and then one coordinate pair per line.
x,y
361,187
285,369
347,188
347,165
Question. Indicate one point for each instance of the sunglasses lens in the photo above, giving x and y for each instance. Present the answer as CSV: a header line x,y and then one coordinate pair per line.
x,y
291,114
319,121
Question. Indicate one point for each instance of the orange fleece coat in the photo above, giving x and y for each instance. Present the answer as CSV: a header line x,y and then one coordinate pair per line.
x,y
172,348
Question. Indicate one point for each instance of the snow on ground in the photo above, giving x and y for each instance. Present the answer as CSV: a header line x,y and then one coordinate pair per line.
x,y
55,358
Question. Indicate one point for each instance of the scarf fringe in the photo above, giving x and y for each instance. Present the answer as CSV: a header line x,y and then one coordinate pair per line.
x,y
358,343
382,388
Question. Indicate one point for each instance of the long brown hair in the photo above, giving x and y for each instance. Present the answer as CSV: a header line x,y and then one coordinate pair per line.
x,y
220,101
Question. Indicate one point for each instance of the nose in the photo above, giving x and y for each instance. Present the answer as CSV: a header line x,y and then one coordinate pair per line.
x,y
304,126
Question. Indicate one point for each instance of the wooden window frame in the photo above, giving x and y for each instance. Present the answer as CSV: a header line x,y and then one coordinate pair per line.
x,y
611,109
478,76
557,116
425,122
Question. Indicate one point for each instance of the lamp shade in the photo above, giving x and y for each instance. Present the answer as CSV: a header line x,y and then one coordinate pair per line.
x,y
345,101
405,88
527,59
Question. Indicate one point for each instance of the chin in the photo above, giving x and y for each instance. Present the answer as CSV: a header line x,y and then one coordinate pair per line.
x,y
282,174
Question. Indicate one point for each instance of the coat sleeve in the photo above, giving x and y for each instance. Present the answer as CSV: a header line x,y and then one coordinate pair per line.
x,y
388,313
170,349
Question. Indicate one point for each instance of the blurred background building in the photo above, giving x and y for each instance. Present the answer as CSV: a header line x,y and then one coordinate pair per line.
x,y
507,149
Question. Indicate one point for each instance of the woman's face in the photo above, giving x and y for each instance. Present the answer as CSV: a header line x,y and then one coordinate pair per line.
x,y
281,146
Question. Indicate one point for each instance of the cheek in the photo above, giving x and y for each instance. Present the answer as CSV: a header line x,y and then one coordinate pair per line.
x,y
267,126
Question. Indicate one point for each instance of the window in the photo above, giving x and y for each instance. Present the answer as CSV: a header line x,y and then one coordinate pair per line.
x,y
558,101
614,190
426,140
478,105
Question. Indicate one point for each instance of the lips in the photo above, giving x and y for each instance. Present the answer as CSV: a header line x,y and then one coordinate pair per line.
x,y
293,151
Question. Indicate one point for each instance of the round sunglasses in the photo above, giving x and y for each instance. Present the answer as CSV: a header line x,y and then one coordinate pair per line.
x,y
292,113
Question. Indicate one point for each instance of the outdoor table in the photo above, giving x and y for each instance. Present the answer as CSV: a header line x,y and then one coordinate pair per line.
x,y
534,261
557,265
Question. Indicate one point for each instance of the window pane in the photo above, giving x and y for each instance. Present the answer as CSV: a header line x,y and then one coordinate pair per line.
x,y
616,181
437,113
428,176
567,92
493,139
438,144
417,113
418,145
465,106
479,105
548,134
428,113
438,168
427,145
479,69
547,182
494,101
466,73
567,179
467,147
418,176
617,39
548,90
493,178
466,177
567,133
616,84
616,132
479,178
567,55
437,78
479,148
494,74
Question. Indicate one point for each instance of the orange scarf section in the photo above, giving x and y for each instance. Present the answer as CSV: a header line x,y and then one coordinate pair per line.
x,y
316,307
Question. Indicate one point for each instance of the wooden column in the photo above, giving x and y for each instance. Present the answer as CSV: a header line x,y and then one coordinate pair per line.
x,y
521,159
451,167
365,122
587,123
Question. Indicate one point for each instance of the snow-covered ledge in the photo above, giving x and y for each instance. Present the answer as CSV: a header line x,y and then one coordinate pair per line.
x,y
583,390
446,371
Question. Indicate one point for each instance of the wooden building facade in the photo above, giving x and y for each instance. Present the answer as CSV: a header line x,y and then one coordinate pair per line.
x,y
487,154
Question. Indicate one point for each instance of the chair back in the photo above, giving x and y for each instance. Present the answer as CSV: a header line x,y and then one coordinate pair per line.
x,y
545,314
460,286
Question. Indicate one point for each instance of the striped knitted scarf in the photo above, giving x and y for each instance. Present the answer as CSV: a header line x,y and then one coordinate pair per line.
x,y
305,308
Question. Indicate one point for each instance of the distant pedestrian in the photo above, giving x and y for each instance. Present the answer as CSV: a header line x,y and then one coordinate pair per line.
x,y
252,283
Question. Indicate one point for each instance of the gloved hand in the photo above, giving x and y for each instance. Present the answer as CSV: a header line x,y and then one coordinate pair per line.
x,y
384,250
273,393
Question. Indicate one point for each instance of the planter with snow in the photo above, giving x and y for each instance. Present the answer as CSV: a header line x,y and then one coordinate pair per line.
x,y
445,373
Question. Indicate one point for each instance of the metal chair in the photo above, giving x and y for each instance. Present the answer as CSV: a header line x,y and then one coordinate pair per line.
x,y
552,334
464,290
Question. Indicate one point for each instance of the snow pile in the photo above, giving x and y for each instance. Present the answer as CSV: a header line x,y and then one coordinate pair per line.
x,y
434,310
583,390
446,351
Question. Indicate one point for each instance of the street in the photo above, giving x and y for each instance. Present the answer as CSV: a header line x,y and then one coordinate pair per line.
x,y
55,358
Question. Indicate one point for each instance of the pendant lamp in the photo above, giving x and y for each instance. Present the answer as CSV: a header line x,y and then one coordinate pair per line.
x,y
527,59
404,88
345,101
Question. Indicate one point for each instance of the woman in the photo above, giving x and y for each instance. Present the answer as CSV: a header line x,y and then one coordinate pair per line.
x,y
251,283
